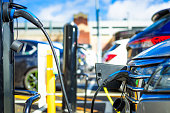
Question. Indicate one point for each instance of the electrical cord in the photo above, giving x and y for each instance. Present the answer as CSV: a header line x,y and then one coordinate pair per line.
x,y
86,84
59,71
110,78
94,97
12,11
109,98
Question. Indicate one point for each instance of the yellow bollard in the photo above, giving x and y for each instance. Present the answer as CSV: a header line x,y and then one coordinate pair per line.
x,y
51,108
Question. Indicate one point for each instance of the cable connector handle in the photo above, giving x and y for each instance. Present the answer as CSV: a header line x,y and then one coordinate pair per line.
x,y
18,6
6,10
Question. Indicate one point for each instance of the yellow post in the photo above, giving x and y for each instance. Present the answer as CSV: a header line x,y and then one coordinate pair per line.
x,y
51,108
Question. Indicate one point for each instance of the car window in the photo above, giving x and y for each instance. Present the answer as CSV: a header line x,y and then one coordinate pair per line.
x,y
113,47
28,49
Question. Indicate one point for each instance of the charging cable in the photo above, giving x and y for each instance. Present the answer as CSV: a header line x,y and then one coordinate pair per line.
x,y
12,11
109,98
59,70
109,79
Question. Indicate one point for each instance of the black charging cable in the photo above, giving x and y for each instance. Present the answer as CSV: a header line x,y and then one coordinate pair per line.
x,y
86,84
109,79
95,95
59,70
12,11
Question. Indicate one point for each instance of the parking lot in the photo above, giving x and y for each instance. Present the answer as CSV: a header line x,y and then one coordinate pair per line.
x,y
85,56
102,104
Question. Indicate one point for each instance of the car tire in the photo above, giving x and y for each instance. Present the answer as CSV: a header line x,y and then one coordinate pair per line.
x,y
31,80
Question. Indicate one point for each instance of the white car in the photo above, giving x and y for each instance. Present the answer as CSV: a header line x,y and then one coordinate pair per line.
x,y
117,54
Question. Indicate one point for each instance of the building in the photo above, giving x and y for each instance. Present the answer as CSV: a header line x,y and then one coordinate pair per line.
x,y
88,29
84,32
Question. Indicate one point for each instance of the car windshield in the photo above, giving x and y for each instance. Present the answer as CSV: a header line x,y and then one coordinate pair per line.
x,y
161,78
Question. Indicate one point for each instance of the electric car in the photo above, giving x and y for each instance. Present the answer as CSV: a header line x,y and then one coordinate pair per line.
x,y
26,71
148,85
117,54
157,32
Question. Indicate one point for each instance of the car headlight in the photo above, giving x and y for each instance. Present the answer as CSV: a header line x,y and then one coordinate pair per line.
x,y
161,77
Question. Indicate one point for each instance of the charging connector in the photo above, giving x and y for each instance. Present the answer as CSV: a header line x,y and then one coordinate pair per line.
x,y
120,75
12,11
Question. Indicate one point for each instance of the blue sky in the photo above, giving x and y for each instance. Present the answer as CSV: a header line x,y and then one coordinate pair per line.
x,y
63,10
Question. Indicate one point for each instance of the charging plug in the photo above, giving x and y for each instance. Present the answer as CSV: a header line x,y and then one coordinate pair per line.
x,y
12,11
121,75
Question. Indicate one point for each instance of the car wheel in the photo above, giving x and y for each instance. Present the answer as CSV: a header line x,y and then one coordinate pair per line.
x,y
31,80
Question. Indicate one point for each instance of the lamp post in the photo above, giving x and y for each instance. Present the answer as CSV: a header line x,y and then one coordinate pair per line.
x,y
99,49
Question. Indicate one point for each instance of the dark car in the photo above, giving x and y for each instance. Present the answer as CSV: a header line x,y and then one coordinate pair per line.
x,y
148,85
26,70
157,32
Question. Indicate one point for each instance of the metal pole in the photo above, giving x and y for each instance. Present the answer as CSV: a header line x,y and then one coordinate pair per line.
x,y
85,98
69,64
6,65
1,65
86,84
99,49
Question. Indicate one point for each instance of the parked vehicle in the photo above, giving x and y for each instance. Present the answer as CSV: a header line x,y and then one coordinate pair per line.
x,y
148,85
117,54
81,60
26,71
86,59
156,33
145,81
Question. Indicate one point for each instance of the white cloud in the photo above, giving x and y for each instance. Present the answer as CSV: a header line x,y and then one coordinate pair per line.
x,y
48,13
64,12
136,9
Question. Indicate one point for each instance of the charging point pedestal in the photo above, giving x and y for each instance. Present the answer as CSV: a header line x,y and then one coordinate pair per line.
x,y
69,64
6,65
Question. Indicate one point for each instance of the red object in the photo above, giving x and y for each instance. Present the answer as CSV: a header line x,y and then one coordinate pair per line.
x,y
159,39
154,40
109,57
146,39
149,41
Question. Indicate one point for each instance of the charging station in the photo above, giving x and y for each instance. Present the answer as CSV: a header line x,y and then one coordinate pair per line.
x,y
6,64
10,11
69,64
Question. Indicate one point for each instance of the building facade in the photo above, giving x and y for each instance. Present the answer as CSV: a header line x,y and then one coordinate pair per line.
x,y
88,30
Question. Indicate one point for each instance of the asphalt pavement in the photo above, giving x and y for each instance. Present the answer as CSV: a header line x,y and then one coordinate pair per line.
x,y
102,105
